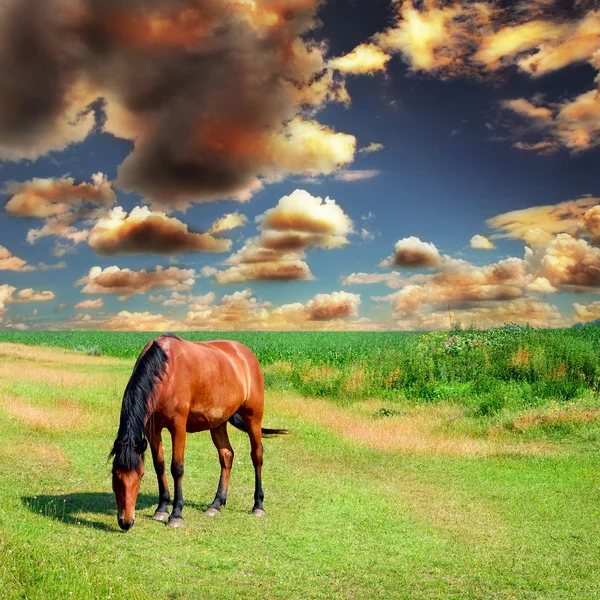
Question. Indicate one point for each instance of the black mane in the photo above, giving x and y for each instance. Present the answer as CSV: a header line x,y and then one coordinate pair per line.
x,y
130,444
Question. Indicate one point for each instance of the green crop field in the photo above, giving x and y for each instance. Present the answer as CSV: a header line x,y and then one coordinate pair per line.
x,y
443,465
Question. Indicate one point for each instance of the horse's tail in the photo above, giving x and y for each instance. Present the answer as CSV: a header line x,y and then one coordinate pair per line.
x,y
237,421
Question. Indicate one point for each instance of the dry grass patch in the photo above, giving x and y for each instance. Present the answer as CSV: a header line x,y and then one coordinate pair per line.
x,y
58,375
279,367
573,412
417,432
62,416
46,453
521,358
53,355
318,374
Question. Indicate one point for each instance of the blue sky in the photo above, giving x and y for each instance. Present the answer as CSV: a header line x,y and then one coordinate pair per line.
x,y
425,123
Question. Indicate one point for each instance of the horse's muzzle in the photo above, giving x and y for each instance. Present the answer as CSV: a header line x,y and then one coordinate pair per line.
x,y
126,525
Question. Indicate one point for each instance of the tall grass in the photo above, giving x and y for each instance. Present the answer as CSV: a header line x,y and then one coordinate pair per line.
x,y
510,367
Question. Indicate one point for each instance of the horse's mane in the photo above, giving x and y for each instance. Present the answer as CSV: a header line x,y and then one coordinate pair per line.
x,y
130,444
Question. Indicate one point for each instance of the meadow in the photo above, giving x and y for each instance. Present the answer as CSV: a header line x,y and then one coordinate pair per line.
x,y
444,465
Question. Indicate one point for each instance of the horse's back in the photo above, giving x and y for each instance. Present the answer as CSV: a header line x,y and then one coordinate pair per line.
x,y
211,380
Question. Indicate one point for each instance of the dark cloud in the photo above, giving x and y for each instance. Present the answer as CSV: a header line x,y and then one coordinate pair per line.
x,y
212,92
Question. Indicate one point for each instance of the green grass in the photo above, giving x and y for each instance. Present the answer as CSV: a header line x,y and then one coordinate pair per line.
x,y
343,521
487,372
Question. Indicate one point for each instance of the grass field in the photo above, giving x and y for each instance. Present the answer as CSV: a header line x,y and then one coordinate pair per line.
x,y
388,496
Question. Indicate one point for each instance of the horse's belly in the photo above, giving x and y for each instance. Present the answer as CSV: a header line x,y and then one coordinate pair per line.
x,y
208,418
197,422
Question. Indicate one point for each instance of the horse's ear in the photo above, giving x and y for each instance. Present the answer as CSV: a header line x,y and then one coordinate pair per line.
x,y
141,447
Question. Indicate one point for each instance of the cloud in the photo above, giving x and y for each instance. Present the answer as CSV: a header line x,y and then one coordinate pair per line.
x,y
113,280
228,222
281,270
174,78
478,39
30,295
372,147
541,285
586,312
302,212
481,242
471,37
61,203
146,232
10,262
6,292
437,37
124,321
527,109
574,124
411,252
299,221
88,304
567,261
539,224
460,286
365,59
177,299
522,311
240,311
43,198
324,307
357,174
392,280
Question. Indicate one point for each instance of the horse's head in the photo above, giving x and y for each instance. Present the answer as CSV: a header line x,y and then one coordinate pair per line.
x,y
127,473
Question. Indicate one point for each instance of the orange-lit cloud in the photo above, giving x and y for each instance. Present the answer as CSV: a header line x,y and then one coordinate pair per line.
x,y
460,286
202,129
89,304
298,222
113,280
365,59
412,253
574,124
61,203
44,198
10,262
586,312
30,295
146,232
242,311
228,222
324,307
567,261
539,224
541,285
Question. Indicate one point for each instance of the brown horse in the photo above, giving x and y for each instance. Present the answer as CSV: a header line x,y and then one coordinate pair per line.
x,y
186,387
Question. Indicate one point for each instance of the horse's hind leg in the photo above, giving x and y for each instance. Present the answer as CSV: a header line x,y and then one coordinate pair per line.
x,y
158,458
253,425
221,441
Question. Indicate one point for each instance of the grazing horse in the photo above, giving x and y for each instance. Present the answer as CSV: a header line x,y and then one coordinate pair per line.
x,y
186,387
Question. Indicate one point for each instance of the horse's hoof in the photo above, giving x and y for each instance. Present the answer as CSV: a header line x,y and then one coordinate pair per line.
x,y
175,522
212,512
259,512
160,516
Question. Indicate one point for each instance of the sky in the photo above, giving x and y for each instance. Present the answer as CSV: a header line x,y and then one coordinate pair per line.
x,y
376,165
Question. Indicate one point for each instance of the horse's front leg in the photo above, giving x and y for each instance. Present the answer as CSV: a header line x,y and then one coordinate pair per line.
x,y
178,435
158,458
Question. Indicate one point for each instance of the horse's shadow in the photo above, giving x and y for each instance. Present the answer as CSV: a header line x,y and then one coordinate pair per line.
x,y
71,508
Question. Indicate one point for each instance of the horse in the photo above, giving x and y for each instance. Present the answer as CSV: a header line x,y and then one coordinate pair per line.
x,y
186,387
